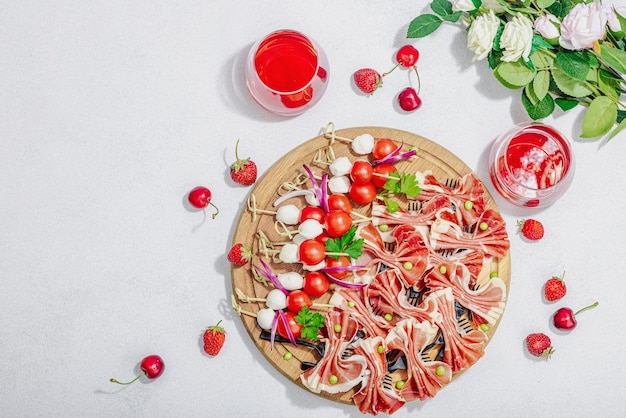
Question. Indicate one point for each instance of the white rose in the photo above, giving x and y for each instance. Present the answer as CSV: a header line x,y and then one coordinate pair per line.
x,y
517,39
548,27
583,26
493,5
463,6
481,34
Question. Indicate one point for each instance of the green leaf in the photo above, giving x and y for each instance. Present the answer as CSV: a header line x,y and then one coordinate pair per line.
x,y
441,7
541,109
608,85
514,73
541,83
573,64
453,18
545,3
542,60
568,85
392,206
538,43
566,104
617,130
599,117
345,244
311,322
614,58
423,25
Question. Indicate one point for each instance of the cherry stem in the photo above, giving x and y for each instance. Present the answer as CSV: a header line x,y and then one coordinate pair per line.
x,y
390,71
237,150
124,383
419,83
216,210
585,308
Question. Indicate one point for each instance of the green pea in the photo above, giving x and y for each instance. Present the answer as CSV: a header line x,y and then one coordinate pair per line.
x,y
400,384
493,274
287,356
337,328
383,227
388,317
333,379
407,265
443,269
484,327
469,204
483,226
414,148
441,371
381,349
351,304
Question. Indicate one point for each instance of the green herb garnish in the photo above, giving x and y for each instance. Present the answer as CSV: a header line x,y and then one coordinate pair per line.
x,y
310,321
345,244
404,183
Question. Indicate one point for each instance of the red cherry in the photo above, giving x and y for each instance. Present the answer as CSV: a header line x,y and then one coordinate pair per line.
x,y
200,197
407,56
152,366
409,100
565,318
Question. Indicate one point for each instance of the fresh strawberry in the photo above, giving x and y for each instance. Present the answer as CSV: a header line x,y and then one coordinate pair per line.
x,y
214,337
539,345
531,229
554,289
367,80
244,171
239,254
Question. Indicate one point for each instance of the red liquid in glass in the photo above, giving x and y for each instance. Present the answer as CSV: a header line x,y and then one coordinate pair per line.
x,y
529,170
286,62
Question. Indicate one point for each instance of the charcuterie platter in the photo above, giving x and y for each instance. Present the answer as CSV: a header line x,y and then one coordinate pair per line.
x,y
424,285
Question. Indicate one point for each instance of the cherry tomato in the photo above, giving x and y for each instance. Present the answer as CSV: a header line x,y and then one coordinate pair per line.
x,y
338,201
316,283
293,325
312,252
384,169
343,261
337,223
361,171
323,237
312,212
407,56
383,147
363,193
296,299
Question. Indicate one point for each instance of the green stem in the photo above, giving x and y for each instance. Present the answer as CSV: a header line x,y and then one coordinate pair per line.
x,y
585,308
124,383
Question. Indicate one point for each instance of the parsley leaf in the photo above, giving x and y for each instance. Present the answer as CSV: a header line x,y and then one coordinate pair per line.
x,y
310,321
345,244
404,183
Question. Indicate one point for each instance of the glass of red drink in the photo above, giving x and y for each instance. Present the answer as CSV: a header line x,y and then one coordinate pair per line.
x,y
531,165
287,72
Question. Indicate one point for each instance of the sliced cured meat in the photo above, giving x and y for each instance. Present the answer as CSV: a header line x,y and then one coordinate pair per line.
x,y
352,301
374,397
381,216
387,295
461,348
423,381
348,371
487,301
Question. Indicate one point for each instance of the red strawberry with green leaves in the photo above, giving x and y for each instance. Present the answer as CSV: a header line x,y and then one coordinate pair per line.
x,y
554,288
367,80
214,337
539,345
239,254
531,229
244,171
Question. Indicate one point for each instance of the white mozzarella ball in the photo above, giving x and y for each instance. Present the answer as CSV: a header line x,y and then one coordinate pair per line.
x,y
363,144
310,228
339,184
289,253
291,280
288,214
276,299
341,166
265,317
315,267
311,199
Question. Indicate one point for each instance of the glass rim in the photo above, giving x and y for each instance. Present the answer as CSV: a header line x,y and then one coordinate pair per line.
x,y
560,139
255,49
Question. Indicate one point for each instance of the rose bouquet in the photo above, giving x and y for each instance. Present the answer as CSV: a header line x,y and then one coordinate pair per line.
x,y
561,53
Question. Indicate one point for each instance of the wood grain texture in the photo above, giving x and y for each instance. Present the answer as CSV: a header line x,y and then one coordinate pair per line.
x,y
431,156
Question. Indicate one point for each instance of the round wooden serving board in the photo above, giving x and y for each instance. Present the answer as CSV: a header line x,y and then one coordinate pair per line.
x,y
316,153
